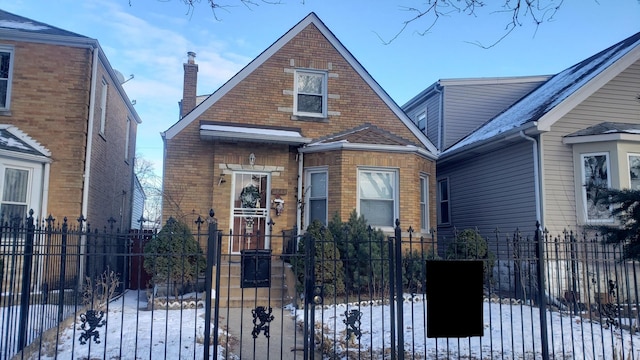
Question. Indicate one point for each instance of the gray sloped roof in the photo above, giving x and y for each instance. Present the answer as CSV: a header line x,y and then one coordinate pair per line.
x,y
22,24
607,128
550,94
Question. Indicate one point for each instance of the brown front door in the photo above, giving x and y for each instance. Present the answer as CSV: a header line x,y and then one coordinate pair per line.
x,y
250,211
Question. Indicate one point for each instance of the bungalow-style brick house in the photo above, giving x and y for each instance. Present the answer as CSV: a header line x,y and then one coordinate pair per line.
x,y
67,127
299,134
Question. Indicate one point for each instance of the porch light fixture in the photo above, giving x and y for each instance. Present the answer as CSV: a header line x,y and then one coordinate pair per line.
x,y
252,159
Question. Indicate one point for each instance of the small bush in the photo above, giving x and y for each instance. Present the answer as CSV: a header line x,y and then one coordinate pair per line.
x,y
414,266
469,244
96,293
361,247
328,269
173,256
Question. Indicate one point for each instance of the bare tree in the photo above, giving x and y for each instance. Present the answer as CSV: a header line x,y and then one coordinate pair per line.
x,y
152,187
512,13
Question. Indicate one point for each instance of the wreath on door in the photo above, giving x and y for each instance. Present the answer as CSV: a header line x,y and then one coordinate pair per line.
x,y
249,196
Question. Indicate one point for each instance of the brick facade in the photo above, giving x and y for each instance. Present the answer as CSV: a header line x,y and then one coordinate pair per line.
x,y
50,97
193,166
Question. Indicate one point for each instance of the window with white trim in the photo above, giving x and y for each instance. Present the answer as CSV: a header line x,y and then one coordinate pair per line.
x,y
310,93
6,70
103,106
595,178
424,203
15,193
422,122
444,215
126,139
378,196
634,171
317,190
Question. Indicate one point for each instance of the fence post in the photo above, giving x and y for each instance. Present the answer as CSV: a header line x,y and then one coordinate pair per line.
x,y
213,254
309,305
392,308
26,283
399,299
542,300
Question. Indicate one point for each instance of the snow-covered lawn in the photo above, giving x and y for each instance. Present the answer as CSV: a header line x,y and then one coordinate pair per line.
x,y
511,331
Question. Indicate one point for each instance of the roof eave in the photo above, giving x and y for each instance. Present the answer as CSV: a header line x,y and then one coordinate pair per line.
x,y
256,138
368,147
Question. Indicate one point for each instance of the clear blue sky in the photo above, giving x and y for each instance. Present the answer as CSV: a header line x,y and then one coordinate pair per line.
x,y
150,39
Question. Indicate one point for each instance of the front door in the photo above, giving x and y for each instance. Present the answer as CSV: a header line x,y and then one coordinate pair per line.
x,y
250,211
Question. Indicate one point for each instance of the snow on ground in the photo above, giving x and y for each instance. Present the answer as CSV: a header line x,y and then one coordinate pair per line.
x,y
510,332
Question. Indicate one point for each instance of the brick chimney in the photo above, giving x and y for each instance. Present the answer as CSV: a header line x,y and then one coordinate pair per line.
x,y
190,85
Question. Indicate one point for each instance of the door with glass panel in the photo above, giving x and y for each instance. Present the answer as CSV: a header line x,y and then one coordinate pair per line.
x,y
250,211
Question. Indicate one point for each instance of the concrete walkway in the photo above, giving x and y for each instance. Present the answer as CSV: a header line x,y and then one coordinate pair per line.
x,y
285,339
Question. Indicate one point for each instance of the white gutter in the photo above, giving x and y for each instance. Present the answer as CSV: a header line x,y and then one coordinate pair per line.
x,y
440,91
536,174
87,159
45,191
300,199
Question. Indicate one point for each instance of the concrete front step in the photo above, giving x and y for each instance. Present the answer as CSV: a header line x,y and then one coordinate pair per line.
x,y
280,292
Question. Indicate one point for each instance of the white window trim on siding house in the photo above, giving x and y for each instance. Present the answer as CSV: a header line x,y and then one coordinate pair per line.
x,y
629,164
585,203
323,93
316,194
442,201
394,196
5,49
422,117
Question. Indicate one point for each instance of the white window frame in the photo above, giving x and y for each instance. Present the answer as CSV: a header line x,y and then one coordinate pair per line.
x,y
9,78
126,139
585,206
309,195
629,156
422,117
103,106
33,192
323,75
442,201
424,203
395,195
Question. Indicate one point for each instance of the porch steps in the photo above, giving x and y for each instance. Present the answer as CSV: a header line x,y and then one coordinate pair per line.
x,y
281,291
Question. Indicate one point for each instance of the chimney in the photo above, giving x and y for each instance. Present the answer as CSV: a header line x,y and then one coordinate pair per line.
x,y
190,85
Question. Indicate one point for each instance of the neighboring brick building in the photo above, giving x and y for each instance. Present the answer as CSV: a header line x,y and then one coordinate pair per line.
x,y
67,127
302,132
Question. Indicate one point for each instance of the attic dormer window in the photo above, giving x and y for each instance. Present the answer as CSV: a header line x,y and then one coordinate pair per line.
x,y
310,93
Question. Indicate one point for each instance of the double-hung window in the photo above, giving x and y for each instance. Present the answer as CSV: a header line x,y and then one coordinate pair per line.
x,y
634,171
444,215
595,178
424,202
310,98
422,122
103,106
6,70
378,196
15,193
316,181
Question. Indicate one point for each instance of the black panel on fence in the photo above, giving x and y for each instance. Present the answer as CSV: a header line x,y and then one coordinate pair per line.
x,y
454,298
256,268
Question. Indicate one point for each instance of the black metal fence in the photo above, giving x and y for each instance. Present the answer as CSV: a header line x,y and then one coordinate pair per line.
x,y
69,291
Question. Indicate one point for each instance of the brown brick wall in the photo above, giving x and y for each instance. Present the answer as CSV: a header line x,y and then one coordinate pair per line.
x,y
49,101
191,169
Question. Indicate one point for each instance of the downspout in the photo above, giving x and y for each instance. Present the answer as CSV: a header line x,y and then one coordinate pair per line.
x,y
45,191
536,174
300,199
87,159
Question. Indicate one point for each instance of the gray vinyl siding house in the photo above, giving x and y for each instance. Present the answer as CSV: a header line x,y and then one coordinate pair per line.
x,y
516,151
456,107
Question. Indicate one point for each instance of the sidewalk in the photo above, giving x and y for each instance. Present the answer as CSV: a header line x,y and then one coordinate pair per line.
x,y
285,339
